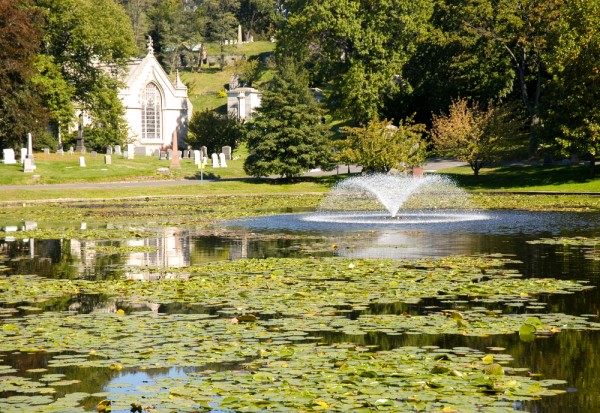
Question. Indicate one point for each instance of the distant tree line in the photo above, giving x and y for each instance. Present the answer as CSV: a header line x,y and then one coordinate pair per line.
x,y
395,59
506,75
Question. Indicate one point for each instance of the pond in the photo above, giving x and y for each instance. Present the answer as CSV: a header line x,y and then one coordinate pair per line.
x,y
531,246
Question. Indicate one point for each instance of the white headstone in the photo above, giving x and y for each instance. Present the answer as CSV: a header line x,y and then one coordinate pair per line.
x,y
205,160
118,150
197,157
28,165
222,160
82,161
23,154
46,151
107,159
215,160
130,151
8,157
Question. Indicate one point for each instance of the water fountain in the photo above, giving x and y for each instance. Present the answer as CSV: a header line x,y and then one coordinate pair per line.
x,y
396,200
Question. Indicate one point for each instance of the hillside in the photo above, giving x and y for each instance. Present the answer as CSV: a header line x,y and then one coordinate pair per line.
x,y
204,87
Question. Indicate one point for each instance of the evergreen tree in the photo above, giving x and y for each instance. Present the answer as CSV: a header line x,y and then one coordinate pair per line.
x,y
288,137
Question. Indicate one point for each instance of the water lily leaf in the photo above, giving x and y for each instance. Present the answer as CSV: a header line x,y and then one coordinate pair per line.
x,y
494,369
104,406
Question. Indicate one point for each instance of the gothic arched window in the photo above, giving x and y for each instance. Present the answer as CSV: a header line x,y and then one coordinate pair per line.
x,y
151,113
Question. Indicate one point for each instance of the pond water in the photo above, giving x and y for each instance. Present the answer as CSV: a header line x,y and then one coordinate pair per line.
x,y
571,355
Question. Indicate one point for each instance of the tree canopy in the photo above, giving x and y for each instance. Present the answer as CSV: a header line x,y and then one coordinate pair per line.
x,y
476,134
380,146
86,46
214,130
358,46
21,110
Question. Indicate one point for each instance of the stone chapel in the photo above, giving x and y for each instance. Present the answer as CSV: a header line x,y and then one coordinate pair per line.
x,y
155,107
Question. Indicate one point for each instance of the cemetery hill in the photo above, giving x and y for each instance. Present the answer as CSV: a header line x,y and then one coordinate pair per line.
x,y
341,206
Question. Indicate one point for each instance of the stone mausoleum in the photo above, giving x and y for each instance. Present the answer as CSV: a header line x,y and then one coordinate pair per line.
x,y
155,106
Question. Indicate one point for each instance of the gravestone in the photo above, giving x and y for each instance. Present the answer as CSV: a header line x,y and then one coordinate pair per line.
x,y
186,154
8,157
130,151
60,152
180,153
29,225
109,150
82,161
197,159
23,154
118,150
94,154
204,150
71,150
29,145
107,159
222,160
140,151
46,151
162,156
215,160
205,160
227,152
156,153
169,154
28,165
80,143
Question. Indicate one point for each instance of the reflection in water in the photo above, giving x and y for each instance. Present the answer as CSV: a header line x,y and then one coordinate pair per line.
x,y
571,355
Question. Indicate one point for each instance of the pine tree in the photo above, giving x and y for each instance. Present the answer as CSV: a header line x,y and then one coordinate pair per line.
x,y
289,136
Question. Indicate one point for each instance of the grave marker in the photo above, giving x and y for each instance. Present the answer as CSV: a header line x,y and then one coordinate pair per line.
x,y
215,160
8,156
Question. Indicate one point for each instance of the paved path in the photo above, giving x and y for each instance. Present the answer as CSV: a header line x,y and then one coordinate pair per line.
x,y
431,165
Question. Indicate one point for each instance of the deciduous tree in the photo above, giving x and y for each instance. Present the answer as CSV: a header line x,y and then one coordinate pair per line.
x,y
357,45
573,96
477,135
20,38
86,47
521,28
214,130
380,146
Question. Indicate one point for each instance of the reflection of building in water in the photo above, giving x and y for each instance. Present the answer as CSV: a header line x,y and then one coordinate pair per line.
x,y
171,250
239,250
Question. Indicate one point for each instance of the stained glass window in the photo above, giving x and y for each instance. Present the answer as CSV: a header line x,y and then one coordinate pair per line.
x,y
151,113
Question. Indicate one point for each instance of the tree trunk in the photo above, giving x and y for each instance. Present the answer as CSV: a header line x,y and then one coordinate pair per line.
x,y
592,169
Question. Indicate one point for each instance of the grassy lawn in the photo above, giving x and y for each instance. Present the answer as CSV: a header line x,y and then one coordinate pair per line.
x,y
56,169
204,86
526,178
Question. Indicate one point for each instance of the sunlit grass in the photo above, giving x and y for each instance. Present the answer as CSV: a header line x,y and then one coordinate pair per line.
x,y
527,178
